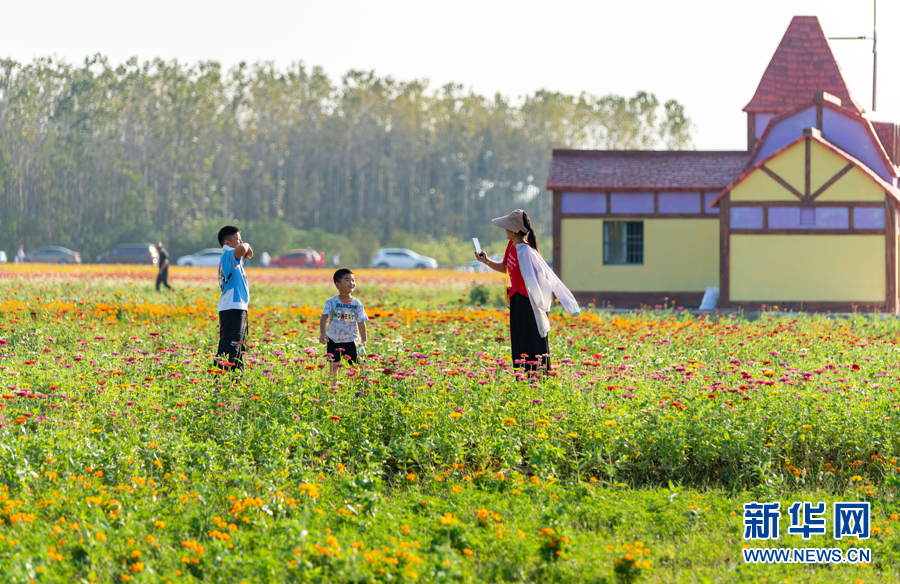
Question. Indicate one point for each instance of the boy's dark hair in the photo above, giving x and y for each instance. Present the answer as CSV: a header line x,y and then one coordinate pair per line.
x,y
227,232
339,275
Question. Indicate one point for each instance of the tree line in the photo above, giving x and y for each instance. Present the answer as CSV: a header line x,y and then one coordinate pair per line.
x,y
101,154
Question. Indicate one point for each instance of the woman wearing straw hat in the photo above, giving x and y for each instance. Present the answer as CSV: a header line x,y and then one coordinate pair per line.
x,y
530,286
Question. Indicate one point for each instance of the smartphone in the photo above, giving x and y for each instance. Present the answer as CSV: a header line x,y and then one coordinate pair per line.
x,y
477,245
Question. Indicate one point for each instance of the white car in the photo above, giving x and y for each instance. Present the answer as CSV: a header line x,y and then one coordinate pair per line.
x,y
397,257
476,266
208,258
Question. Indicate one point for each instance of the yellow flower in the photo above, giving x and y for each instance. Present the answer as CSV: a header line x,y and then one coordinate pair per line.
x,y
448,519
455,415
509,421
807,427
609,423
571,435
410,477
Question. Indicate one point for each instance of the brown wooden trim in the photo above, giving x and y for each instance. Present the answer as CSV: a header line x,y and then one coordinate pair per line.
x,y
817,306
608,201
813,204
832,180
781,181
807,173
646,189
724,251
616,216
638,299
890,242
557,233
765,224
807,231
819,116
656,203
751,131
850,218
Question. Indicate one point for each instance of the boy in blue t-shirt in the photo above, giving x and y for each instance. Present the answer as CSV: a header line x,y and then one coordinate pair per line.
x,y
346,319
235,299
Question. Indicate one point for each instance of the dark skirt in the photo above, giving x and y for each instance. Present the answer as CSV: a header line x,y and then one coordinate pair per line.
x,y
529,349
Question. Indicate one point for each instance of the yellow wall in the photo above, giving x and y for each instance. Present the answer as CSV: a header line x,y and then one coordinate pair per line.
x,y
758,186
791,166
823,164
853,186
807,268
680,255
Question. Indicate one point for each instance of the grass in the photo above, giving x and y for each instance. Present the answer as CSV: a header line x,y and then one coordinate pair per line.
x,y
125,457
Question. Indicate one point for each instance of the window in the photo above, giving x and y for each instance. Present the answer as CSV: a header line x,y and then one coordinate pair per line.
x,y
623,242
807,215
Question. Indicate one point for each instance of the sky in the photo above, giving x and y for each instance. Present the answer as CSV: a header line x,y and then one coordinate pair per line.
x,y
707,54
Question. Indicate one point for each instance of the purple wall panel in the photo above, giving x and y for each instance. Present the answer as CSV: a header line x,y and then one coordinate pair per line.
x,y
583,202
707,199
679,202
852,136
786,131
832,218
825,218
746,217
631,203
868,218
762,120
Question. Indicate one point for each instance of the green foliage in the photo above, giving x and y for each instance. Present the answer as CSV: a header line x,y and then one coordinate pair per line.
x,y
433,461
95,155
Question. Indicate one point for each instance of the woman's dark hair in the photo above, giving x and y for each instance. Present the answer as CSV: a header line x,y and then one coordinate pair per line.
x,y
532,240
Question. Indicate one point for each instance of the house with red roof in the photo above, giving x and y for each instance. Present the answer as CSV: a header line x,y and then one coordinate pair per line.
x,y
806,218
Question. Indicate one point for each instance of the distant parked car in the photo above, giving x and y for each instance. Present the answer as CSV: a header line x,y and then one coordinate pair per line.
x,y
476,266
299,258
401,258
131,253
53,255
208,257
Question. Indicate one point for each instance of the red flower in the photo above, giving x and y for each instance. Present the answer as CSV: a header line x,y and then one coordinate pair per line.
x,y
335,418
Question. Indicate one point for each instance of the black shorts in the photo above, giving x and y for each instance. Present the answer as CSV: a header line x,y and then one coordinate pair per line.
x,y
341,352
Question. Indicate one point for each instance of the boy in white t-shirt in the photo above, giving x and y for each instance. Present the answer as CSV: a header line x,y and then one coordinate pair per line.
x,y
343,322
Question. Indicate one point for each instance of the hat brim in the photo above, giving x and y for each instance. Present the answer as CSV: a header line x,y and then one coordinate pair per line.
x,y
505,223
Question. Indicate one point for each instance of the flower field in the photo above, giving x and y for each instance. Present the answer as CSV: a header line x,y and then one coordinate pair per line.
x,y
124,456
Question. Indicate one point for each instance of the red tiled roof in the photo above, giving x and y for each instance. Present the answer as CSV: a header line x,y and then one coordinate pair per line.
x,y
637,170
887,135
802,64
